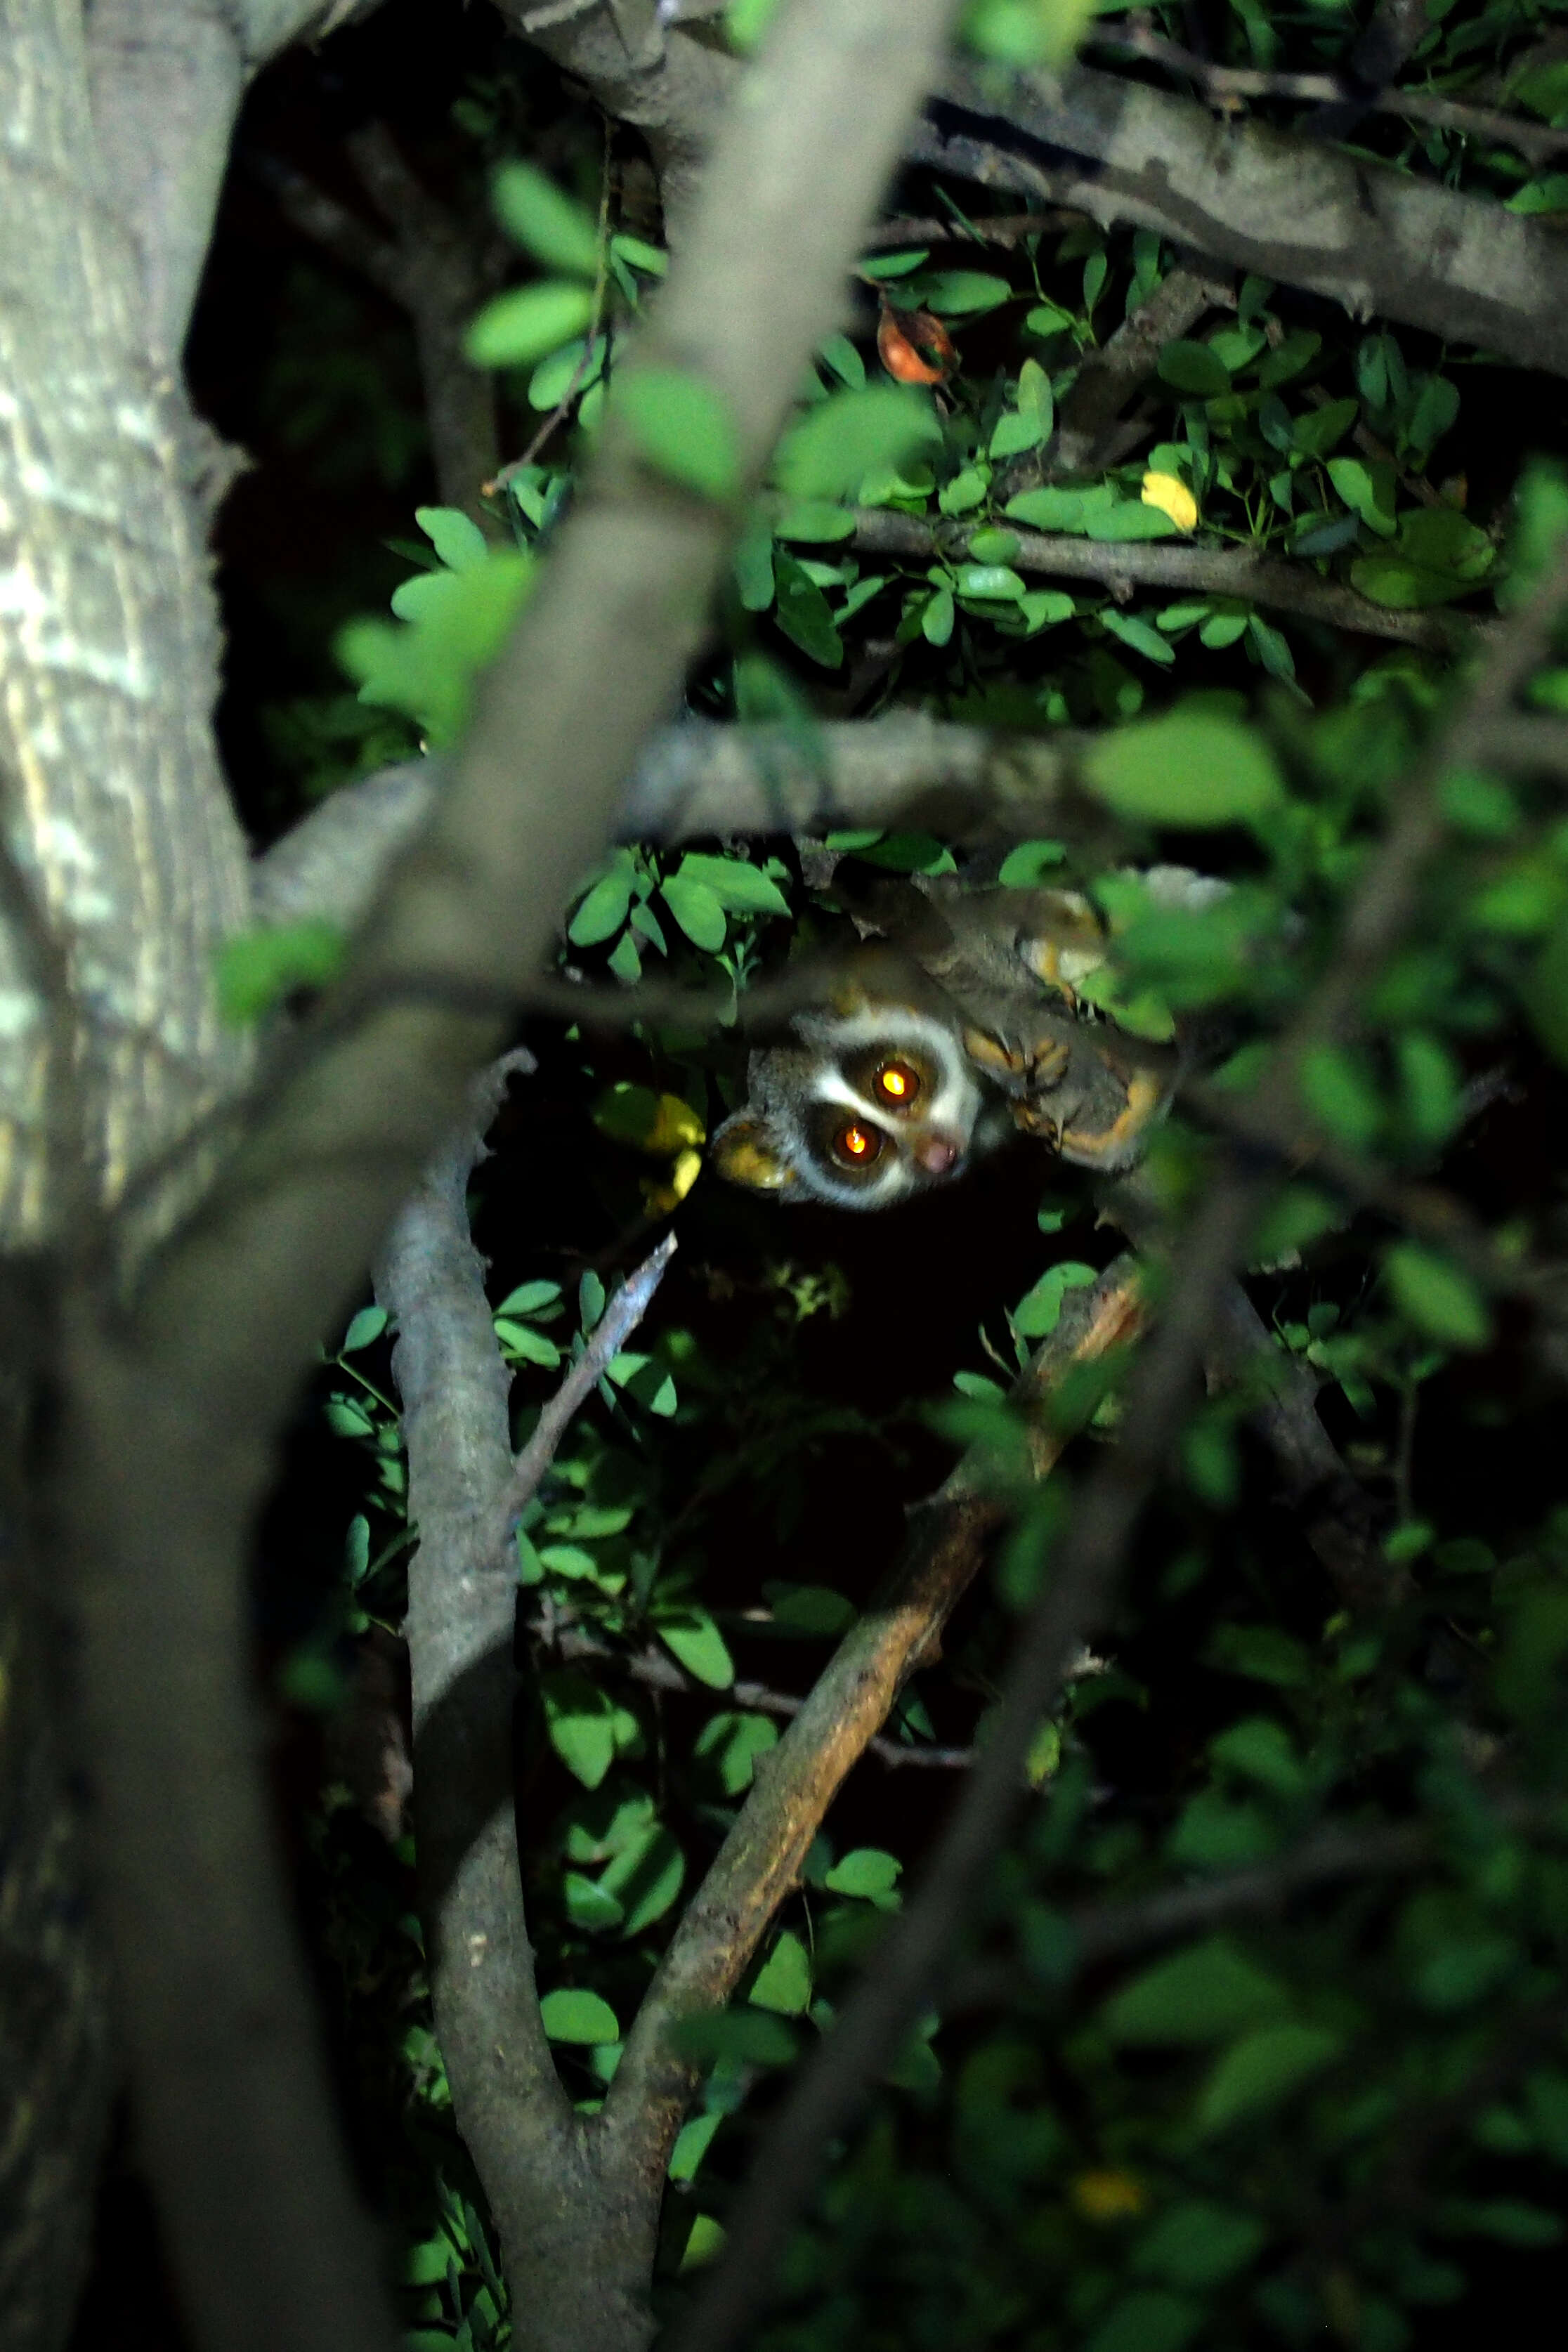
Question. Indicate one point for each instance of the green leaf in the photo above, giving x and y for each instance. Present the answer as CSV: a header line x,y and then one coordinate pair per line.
x,y
1187,767
804,614
1339,1088
1317,431
691,2145
1198,2244
1199,1994
520,327
258,969
1367,486
1295,353
989,582
743,889
1262,2070
572,2014
878,265
603,909
753,562
783,1982
1436,411
963,293
1028,862
697,909
1545,993
1016,430
868,1873
640,255
809,1609
1259,1748
530,1298
1148,2321
645,1878
729,1744
553,377
992,546
1430,1094
825,454
1505,2218
587,1904
1024,33
964,492
937,620
1267,1654
747,21
1129,520
519,1340
1038,1312
1439,1298
815,520
697,1642
578,1717
456,537
744,2037
1194,369
1139,636
428,669
1438,556
683,428
548,225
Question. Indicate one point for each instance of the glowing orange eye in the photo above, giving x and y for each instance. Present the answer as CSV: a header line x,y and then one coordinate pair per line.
x,y
858,1146
898,1083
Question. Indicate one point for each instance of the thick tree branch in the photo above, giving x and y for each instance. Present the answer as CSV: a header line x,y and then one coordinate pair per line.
x,y
168,77
667,82
760,1859
148,1506
705,778
1341,105
532,2151
1380,241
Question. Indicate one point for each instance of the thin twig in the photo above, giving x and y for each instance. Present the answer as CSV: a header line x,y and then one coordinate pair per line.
x,y
620,1319
1006,228
1122,567
601,287
656,1669
1106,1931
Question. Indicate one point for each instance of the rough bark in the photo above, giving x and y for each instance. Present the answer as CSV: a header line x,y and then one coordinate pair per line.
x,y
1382,242
126,865
149,1501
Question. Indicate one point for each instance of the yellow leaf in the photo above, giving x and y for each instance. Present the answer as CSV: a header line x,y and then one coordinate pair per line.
x,y
1108,2196
1172,495
662,1198
660,1125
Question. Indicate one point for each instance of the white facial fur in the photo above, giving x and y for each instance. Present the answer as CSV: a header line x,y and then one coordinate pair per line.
x,y
949,1108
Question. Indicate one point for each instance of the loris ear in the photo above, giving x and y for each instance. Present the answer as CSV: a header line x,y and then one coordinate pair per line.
x,y
746,1151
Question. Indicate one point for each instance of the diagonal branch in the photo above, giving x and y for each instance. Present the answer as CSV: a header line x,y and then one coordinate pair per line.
x,y
760,1859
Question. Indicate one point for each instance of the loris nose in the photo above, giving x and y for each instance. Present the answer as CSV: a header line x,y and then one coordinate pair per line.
x,y
936,1153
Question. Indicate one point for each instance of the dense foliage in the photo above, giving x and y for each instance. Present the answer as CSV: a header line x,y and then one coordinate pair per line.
x,y
1341,2103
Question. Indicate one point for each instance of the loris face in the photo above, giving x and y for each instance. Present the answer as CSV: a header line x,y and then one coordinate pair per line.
x,y
874,1104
